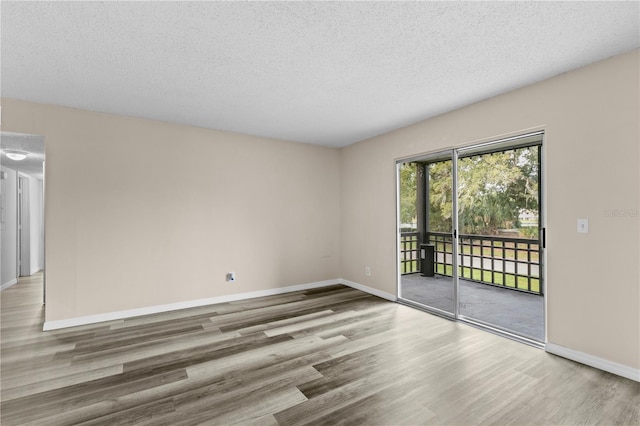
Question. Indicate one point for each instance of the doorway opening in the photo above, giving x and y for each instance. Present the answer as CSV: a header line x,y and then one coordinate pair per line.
x,y
22,206
471,235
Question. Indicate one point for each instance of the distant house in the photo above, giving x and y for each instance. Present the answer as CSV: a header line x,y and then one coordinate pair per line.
x,y
528,218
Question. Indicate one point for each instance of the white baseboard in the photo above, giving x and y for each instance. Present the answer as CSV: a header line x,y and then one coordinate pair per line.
x,y
594,361
8,284
581,357
369,290
112,316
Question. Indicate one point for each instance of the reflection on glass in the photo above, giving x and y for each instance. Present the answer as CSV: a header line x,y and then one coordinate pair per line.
x,y
498,212
426,214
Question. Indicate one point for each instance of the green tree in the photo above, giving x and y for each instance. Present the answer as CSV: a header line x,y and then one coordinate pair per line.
x,y
492,191
408,175
494,188
440,196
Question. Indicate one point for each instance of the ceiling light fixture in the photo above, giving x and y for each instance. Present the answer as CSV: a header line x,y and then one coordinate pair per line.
x,y
15,155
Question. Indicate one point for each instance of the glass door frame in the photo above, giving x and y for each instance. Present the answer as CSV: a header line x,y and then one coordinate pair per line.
x,y
436,156
500,144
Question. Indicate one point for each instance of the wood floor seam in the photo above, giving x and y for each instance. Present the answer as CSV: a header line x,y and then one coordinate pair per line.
x,y
325,356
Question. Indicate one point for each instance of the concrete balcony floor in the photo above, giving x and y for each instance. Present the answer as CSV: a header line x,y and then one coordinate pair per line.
x,y
514,311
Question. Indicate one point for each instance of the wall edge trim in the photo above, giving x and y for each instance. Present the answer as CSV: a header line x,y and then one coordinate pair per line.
x,y
594,361
370,290
129,313
8,284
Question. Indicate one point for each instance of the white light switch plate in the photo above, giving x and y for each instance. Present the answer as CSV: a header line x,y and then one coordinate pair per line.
x,y
583,226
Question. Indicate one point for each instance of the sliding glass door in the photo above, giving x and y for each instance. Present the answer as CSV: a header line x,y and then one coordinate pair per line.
x,y
499,237
471,235
427,248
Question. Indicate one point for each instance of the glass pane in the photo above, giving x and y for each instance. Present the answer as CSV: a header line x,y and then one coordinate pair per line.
x,y
499,251
426,251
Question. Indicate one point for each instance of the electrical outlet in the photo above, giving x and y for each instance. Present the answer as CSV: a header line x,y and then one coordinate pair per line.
x,y
583,226
231,276
367,271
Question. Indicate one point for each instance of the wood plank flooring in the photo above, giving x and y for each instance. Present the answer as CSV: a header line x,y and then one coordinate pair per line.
x,y
327,356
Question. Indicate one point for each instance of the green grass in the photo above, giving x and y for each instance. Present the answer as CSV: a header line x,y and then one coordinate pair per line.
x,y
409,267
509,252
499,278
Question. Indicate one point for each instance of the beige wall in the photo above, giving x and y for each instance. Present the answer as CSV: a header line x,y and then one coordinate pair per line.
x,y
591,118
132,222
139,225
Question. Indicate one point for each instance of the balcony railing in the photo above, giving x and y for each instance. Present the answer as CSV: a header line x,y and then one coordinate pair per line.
x,y
409,252
501,261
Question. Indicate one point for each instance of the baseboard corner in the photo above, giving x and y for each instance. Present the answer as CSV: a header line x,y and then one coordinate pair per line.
x,y
370,290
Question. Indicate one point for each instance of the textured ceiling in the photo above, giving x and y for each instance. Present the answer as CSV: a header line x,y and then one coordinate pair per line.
x,y
329,73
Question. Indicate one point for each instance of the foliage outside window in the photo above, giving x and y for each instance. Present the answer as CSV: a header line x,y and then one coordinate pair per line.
x,y
497,193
